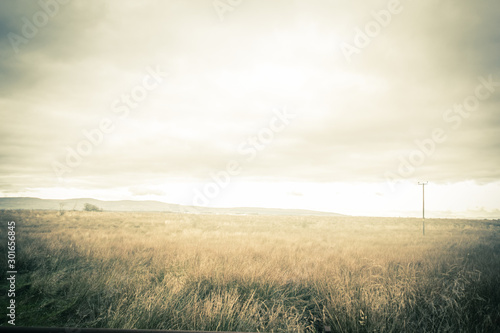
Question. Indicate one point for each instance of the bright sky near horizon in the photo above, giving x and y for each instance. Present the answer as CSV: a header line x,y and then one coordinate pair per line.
x,y
327,105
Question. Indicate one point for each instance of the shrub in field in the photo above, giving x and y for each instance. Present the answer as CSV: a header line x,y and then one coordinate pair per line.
x,y
91,208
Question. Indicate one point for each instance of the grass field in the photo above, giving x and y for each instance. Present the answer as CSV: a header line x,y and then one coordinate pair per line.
x,y
254,273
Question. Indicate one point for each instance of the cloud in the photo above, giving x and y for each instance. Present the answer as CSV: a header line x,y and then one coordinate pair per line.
x,y
354,120
144,191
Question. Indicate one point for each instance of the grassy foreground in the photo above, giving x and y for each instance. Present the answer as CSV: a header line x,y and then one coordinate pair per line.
x,y
253,273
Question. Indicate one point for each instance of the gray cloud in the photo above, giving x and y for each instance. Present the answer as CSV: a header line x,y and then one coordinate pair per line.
x,y
225,78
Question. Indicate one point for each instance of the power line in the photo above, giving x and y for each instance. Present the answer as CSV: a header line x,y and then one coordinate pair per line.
x,y
423,205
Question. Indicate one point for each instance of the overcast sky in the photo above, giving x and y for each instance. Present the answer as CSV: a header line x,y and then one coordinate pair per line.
x,y
331,105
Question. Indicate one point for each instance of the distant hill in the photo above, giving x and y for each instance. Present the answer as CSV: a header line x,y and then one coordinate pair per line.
x,y
142,206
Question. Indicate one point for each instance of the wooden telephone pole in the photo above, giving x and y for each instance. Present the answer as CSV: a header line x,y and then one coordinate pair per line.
x,y
423,206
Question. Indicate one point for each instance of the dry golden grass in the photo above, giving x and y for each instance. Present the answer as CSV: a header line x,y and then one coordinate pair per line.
x,y
255,273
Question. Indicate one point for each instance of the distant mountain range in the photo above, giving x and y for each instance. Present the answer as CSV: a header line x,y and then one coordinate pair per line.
x,y
145,206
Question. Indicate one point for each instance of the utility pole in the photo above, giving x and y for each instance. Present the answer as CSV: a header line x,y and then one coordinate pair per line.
x,y
423,206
